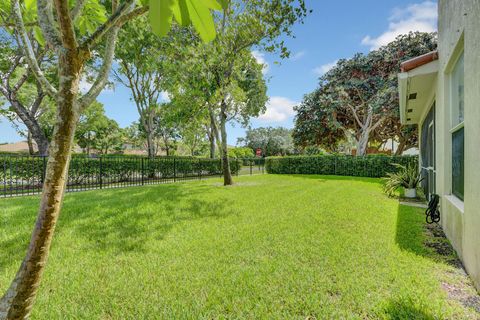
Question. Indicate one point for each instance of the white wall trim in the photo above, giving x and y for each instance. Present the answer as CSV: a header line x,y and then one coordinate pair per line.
x,y
456,202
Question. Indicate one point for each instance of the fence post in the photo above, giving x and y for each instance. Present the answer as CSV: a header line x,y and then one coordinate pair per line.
x,y
143,171
251,167
199,170
174,170
101,174
44,168
4,176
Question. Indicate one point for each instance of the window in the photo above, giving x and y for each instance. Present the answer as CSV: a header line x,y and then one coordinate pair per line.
x,y
457,113
427,153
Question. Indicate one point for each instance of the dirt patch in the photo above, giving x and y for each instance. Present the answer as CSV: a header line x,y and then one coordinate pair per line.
x,y
459,287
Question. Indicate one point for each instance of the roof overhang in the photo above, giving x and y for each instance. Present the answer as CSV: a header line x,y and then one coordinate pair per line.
x,y
416,89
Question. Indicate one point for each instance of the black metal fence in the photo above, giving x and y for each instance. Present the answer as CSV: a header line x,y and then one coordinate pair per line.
x,y
24,175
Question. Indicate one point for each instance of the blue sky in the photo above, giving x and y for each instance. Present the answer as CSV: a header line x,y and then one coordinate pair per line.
x,y
336,29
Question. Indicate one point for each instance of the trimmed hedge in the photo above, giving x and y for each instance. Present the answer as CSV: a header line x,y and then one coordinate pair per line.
x,y
368,166
27,170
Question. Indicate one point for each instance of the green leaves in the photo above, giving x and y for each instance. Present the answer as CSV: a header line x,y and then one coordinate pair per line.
x,y
37,33
93,15
186,12
161,14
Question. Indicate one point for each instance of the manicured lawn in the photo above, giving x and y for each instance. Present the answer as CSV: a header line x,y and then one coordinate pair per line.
x,y
289,247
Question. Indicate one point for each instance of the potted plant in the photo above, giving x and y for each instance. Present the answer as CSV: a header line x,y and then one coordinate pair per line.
x,y
407,177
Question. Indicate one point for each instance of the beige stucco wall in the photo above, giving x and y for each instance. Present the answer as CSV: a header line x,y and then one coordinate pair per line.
x,y
459,28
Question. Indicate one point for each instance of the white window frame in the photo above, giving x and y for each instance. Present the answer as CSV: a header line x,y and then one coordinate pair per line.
x,y
454,124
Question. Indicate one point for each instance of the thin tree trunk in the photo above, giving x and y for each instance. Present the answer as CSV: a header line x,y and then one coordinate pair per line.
x,y
31,150
211,138
33,127
150,145
227,174
211,134
215,132
400,148
19,298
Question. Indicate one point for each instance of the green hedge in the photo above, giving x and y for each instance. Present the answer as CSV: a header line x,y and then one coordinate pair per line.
x,y
368,166
26,170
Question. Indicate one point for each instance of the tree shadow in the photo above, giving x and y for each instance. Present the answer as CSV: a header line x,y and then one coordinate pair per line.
x,y
121,220
410,234
325,178
400,309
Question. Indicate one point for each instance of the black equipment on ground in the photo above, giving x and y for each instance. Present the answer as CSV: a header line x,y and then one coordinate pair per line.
x,y
432,213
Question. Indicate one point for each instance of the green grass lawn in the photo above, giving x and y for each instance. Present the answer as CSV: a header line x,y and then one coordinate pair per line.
x,y
270,247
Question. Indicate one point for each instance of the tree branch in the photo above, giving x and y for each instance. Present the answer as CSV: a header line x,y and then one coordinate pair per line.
x,y
46,22
28,50
102,78
77,10
115,20
354,112
132,15
379,122
67,31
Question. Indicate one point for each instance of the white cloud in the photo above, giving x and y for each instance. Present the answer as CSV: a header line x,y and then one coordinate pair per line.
x,y
297,56
260,57
278,109
324,68
415,17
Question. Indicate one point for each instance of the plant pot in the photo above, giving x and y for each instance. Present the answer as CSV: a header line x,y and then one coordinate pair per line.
x,y
411,193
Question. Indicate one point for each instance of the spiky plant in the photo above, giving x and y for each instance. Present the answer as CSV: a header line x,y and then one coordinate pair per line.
x,y
407,177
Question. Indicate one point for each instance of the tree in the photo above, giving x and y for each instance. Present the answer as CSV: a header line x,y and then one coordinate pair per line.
x,y
133,136
96,131
73,34
240,152
272,141
226,76
109,137
143,66
194,137
166,128
314,124
26,98
358,97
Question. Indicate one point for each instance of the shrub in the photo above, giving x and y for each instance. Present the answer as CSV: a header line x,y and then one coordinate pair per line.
x,y
88,171
407,177
368,166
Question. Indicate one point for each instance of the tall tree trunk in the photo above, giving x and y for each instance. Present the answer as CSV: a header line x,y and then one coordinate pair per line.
x,y
19,298
227,174
151,144
362,142
400,148
215,132
211,133
31,150
211,138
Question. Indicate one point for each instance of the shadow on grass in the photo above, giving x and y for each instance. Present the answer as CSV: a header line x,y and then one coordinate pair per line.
x,y
410,235
325,178
405,310
121,220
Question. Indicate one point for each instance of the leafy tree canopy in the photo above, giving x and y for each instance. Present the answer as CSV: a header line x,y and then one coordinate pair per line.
x,y
358,99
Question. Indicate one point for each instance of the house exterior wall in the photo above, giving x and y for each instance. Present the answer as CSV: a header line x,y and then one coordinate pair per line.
x,y
459,29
